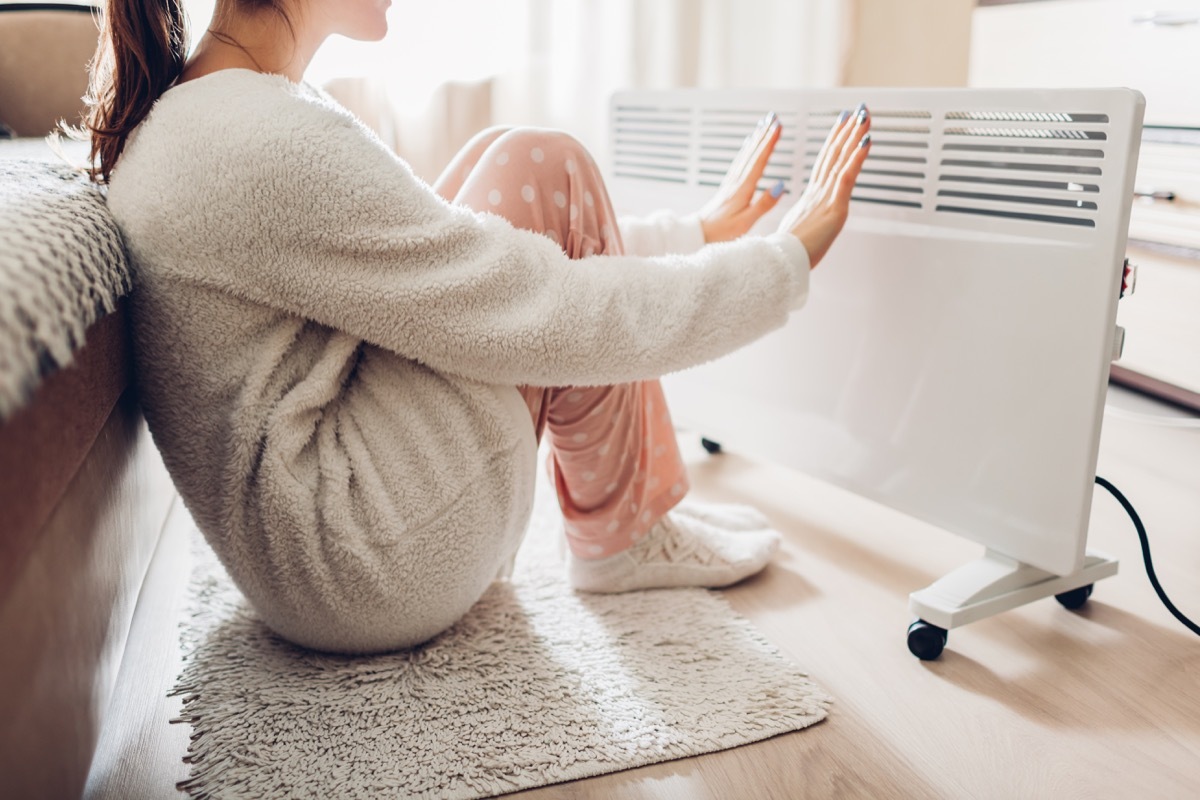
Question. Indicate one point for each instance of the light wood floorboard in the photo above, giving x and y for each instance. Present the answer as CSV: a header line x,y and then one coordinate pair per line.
x,y
1038,702
140,753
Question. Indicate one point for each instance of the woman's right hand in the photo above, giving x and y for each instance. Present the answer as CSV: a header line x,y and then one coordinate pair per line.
x,y
821,211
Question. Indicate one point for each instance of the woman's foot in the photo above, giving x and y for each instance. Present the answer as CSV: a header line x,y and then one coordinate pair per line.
x,y
679,550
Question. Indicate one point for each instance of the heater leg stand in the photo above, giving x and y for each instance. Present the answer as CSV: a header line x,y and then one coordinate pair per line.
x,y
992,584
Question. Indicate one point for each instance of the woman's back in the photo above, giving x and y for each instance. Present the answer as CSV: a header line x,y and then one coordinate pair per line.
x,y
294,443
348,375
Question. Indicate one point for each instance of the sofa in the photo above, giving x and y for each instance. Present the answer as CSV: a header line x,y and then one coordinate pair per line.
x,y
84,497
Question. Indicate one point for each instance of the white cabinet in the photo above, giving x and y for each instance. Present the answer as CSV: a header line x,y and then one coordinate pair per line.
x,y
1149,45
1152,46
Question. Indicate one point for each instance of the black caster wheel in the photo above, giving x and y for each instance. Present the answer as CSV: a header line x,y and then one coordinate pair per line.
x,y
710,446
926,641
1075,598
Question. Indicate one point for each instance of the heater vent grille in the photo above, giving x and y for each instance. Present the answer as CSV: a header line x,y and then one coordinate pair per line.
x,y
1026,116
896,172
1039,167
721,134
652,143
994,165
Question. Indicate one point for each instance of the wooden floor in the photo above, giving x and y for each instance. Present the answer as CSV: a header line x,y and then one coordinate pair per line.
x,y
1035,703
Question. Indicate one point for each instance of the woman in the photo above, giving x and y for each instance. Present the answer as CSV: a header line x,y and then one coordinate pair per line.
x,y
348,374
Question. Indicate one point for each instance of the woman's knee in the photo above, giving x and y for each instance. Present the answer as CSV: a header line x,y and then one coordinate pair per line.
x,y
546,148
459,170
546,181
484,139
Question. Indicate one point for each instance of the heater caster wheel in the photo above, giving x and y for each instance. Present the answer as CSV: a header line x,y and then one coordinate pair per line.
x,y
1075,598
711,447
926,641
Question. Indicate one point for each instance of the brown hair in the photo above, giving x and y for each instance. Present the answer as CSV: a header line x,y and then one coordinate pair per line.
x,y
143,47
142,51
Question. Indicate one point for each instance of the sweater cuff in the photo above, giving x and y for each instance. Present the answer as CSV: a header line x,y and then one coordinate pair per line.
x,y
801,265
662,233
687,235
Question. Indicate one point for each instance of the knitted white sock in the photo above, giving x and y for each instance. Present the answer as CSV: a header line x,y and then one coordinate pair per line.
x,y
726,516
677,551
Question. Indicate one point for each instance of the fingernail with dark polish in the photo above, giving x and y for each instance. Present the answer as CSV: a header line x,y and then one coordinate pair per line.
x,y
777,189
860,108
866,140
845,115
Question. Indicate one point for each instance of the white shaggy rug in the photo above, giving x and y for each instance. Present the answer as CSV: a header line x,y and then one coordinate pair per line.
x,y
536,685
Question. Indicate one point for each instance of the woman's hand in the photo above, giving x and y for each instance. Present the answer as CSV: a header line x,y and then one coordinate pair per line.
x,y
734,209
819,215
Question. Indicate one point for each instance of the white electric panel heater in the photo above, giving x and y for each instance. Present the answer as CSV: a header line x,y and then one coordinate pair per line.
x,y
952,359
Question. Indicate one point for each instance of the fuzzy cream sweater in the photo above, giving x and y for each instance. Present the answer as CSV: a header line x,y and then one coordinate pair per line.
x,y
327,353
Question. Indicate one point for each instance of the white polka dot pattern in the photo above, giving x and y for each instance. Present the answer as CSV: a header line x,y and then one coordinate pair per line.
x,y
616,457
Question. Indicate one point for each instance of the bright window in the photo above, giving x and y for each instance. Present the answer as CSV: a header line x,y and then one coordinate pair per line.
x,y
428,43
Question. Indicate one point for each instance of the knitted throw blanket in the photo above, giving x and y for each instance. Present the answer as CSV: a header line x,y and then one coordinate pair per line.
x,y
62,267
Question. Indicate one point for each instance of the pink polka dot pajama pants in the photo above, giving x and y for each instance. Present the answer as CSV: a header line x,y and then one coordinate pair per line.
x,y
613,456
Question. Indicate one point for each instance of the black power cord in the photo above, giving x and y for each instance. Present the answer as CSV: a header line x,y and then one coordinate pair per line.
x,y
1141,531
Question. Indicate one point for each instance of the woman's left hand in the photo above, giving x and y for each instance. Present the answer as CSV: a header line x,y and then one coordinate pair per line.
x,y
735,209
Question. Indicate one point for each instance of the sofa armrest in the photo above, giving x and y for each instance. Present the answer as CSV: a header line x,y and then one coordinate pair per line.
x,y
83,500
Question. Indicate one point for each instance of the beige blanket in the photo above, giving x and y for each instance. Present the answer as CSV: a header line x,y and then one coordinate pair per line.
x,y
62,267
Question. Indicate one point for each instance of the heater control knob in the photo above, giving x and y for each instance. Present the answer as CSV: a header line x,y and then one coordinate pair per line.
x,y
1118,348
1128,278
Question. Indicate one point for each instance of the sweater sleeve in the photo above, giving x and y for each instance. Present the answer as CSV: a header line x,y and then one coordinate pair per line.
x,y
323,221
664,232
661,233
